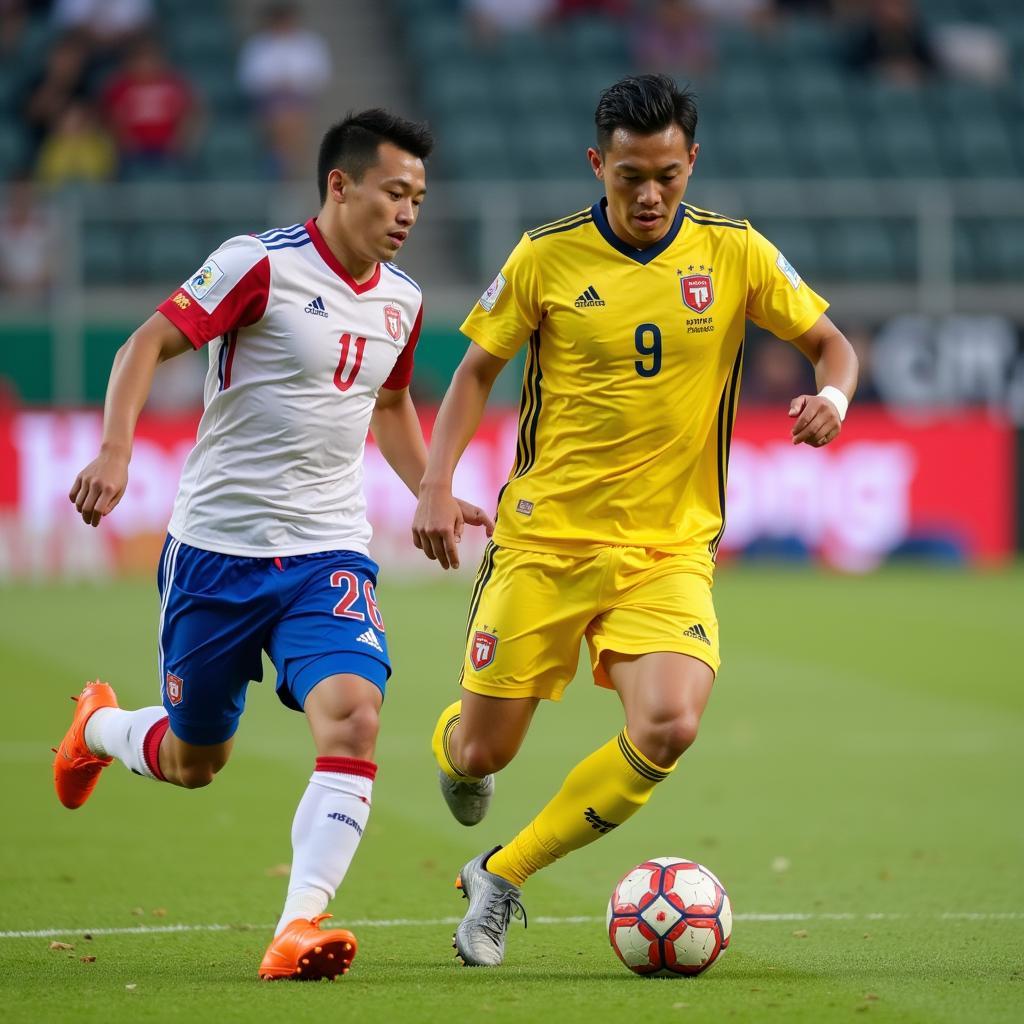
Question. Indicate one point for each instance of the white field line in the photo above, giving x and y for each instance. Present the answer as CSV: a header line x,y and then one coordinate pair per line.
x,y
400,922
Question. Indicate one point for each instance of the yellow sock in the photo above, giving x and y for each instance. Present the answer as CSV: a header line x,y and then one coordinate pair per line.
x,y
601,792
439,743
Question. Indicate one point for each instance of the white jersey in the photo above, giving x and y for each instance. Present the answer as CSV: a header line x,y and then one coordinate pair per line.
x,y
298,353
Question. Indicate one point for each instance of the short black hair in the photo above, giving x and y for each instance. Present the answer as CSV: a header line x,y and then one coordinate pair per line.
x,y
351,144
645,104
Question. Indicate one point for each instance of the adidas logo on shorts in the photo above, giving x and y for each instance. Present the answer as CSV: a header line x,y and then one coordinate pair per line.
x,y
697,633
370,639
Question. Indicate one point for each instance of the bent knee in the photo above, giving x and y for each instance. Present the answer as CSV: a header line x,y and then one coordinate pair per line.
x,y
478,759
352,735
666,740
196,776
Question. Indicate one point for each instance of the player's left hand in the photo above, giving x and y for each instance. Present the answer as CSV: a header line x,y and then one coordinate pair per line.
x,y
473,515
817,420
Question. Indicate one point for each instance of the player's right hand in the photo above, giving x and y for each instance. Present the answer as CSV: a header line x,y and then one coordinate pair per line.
x,y
99,487
437,526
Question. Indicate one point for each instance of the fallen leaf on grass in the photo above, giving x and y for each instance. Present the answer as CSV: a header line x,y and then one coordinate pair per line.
x,y
278,871
870,997
61,945
137,911
159,912
800,933
87,959
131,988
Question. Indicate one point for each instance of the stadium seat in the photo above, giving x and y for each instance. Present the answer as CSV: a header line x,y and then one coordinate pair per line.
x,y
549,147
795,239
818,91
539,90
590,40
834,148
804,41
857,249
477,148
230,153
103,256
168,252
906,148
458,89
1000,250
207,39
437,42
984,148
760,150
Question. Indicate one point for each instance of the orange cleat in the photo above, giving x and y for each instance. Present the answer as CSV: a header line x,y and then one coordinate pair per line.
x,y
76,768
304,952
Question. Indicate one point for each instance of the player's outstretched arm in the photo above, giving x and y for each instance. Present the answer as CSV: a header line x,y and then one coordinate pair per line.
x,y
99,487
437,524
819,418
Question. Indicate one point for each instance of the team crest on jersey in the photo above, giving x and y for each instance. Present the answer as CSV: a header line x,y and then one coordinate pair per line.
x,y
698,292
393,321
175,688
481,654
204,279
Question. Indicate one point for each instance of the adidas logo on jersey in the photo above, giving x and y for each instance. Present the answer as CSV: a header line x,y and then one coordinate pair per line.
x,y
370,639
589,298
697,633
317,307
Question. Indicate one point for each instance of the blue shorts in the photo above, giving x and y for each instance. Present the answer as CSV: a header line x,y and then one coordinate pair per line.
x,y
315,615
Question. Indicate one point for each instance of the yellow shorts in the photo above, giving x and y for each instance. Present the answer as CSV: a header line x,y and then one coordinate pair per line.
x,y
530,611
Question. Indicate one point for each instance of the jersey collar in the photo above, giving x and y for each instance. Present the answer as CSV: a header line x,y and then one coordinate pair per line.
x,y
643,256
332,261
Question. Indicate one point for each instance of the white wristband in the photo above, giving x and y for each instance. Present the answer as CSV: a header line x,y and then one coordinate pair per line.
x,y
837,398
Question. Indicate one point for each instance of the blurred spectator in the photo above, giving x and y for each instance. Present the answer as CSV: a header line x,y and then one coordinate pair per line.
x,y
892,42
777,373
818,8
151,111
595,8
14,20
78,150
109,25
753,12
283,69
976,53
492,18
61,82
26,242
670,36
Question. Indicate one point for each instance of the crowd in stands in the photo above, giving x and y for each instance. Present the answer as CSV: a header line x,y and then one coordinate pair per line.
x,y
884,37
106,102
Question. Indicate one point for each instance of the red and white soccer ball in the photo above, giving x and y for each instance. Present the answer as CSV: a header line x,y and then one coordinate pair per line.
x,y
669,917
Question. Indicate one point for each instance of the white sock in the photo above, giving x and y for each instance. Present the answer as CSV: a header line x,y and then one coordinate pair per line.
x,y
114,732
328,825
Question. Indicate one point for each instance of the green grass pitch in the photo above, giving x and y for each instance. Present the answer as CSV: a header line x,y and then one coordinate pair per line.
x,y
857,787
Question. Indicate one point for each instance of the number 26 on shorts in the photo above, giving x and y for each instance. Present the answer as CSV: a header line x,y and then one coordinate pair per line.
x,y
344,608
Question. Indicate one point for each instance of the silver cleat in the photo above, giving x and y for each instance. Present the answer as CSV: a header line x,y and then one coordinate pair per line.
x,y
493,902
468,801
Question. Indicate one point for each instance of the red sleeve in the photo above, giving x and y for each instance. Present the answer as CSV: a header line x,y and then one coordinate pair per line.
x,y
401,375
243,305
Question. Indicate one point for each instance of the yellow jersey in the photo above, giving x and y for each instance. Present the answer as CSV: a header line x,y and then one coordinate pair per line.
x,y
632,376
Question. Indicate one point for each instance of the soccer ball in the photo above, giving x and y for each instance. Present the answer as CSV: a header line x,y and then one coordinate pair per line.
x,y
669,916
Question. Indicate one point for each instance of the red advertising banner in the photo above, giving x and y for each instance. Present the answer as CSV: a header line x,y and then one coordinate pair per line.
x,y
941,485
